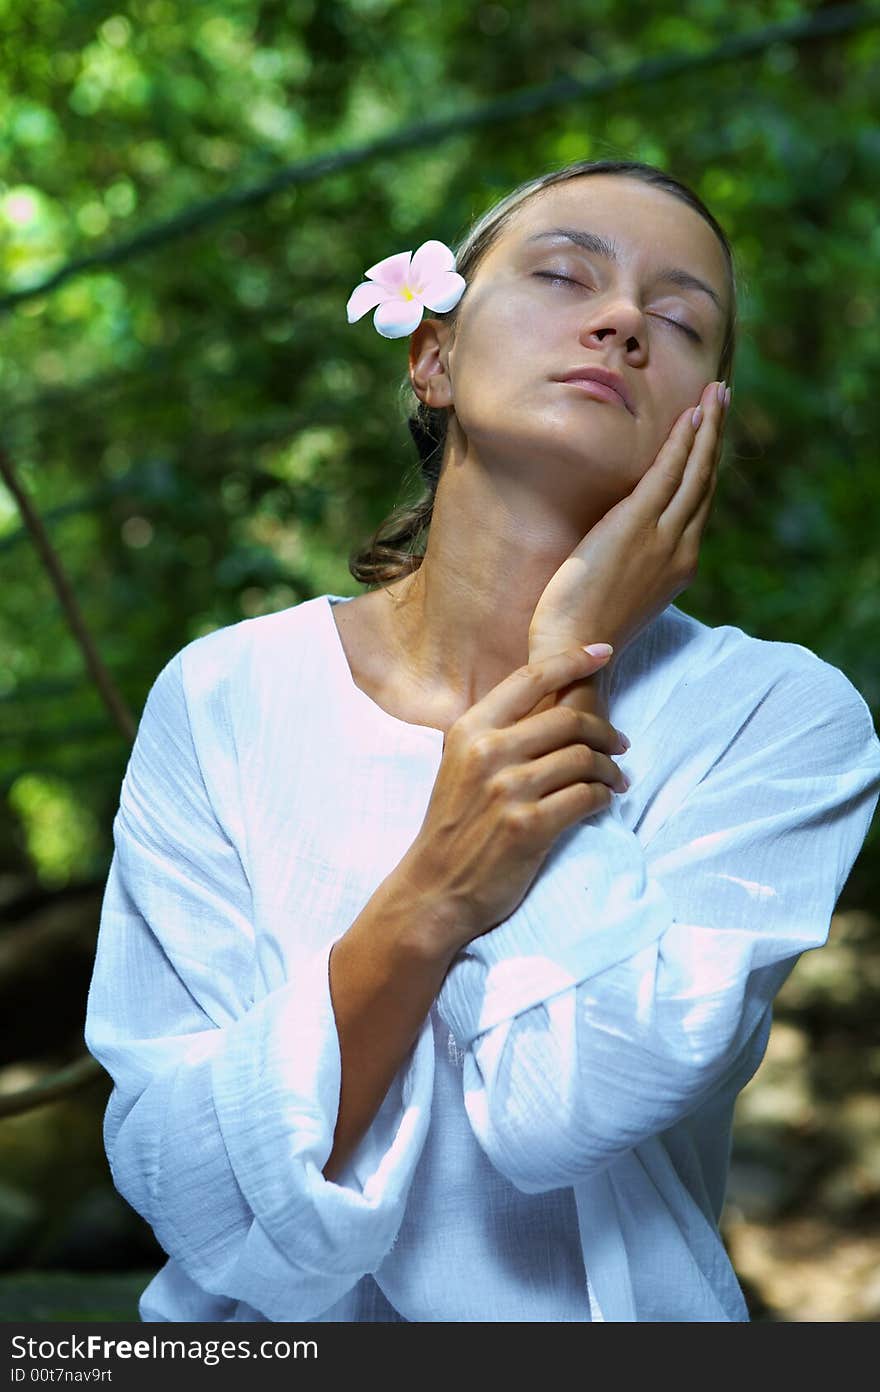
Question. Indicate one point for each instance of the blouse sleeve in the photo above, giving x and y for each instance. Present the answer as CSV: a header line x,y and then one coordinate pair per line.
x,y
637,975
223,1109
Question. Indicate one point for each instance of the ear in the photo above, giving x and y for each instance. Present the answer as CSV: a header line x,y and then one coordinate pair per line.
x,y
428,362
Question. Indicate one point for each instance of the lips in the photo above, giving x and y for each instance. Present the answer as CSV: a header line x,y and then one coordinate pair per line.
x,y
604,378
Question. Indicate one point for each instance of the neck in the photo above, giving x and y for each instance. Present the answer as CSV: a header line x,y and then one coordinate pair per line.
x,y
460,623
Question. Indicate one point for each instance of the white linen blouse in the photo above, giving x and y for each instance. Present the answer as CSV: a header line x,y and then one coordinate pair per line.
x,y
555,1145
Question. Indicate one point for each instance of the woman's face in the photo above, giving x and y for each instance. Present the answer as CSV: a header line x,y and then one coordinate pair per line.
x,y
520,331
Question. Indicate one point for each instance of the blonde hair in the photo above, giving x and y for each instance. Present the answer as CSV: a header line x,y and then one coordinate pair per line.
x,y
390,553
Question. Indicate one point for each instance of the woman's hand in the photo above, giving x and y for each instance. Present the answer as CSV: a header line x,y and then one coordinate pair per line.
x,y
643,552
509,782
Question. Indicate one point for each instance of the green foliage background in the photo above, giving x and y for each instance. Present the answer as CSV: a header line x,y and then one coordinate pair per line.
x,y
208,439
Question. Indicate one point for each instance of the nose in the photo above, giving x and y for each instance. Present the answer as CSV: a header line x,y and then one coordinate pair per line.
x,y
600,335
620,322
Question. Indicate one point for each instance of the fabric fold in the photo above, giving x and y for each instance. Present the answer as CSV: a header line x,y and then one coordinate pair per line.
x,y
224,1105
635,976
562,1122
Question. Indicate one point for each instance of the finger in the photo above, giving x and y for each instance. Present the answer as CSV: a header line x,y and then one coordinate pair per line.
x,y
564,725
558,811
517,695
659,484
563,767
692,535
700,473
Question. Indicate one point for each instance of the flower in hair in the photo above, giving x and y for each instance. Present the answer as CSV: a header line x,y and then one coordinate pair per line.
x,y
404,285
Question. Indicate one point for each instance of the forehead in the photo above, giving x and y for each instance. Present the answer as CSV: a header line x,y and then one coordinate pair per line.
x,y
646,223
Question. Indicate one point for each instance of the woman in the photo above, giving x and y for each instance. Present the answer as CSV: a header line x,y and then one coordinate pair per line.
x,y
396,978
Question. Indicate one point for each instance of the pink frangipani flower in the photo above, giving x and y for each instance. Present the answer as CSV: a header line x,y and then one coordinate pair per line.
x,y
404,285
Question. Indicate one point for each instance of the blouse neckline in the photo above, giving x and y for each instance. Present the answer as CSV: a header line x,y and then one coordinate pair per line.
x,y
429,733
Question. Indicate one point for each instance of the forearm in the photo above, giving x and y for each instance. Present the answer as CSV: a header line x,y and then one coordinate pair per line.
x,y
385,973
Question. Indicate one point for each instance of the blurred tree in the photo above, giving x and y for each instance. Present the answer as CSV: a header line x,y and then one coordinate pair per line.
x,y
205,436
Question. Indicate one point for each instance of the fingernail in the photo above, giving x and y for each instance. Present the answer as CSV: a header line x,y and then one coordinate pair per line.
x,y
697,417
727,398
719,392
625,783
623,739
598,649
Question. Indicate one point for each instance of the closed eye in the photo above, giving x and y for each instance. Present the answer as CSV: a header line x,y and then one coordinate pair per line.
x,y
568,280
551,275
691,333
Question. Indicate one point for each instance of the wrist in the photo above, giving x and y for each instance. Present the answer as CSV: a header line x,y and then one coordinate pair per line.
x,y
546,644
587,693
429,925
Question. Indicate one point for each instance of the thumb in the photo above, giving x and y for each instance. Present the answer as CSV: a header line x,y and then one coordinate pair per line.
x,y
598,650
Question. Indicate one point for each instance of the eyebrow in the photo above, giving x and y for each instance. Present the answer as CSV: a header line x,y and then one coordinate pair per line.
x,y
601,246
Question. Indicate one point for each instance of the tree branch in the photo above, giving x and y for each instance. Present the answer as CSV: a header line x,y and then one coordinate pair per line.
x,y
822,25
67,1080
111,696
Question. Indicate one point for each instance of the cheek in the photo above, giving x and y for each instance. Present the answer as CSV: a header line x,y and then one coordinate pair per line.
x,y
657,427
510,349
682,385
509,322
